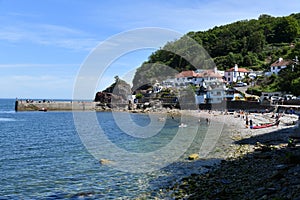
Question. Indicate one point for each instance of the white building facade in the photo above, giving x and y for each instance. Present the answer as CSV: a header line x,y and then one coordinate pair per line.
x,y
236,74
279,65
211,87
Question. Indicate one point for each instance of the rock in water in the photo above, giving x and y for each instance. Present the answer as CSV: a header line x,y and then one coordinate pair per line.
x,y
104,161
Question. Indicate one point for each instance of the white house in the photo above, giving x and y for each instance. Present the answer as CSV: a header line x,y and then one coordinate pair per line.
x,y
236,74
197,78
215,91
185,78
279,65
210,83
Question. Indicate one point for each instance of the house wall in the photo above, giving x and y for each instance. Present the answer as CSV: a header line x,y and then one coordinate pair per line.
x,y
235,76
276,69
216,96
200,99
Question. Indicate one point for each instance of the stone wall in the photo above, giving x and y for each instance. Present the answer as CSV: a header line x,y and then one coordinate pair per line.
x,y
59,106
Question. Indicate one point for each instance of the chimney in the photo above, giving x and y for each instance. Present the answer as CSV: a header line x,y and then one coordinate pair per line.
x,y
215,70
280,59
236,68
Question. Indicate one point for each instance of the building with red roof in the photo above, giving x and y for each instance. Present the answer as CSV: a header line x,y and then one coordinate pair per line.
x,y
210,83
235,74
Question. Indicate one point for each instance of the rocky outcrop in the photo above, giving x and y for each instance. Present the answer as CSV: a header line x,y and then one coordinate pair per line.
x,y
118,92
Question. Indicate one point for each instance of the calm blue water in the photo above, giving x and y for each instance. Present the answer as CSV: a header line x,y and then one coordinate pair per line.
x,y
42,157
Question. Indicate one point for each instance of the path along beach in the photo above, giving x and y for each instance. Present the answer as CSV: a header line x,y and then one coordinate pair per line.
x,y
255,163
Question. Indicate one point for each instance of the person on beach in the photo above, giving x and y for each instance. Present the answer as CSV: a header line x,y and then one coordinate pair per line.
x,y
251,123
277,122
207,121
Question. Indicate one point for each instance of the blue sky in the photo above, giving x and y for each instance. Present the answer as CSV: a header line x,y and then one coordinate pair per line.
x,y
43,44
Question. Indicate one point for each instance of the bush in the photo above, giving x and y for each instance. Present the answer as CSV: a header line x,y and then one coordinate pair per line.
x,y
254,91
139,96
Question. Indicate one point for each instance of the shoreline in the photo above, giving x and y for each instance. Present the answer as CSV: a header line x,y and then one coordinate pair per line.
x,y
250,158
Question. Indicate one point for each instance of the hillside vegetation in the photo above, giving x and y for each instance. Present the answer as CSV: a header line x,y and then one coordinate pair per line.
x,y
252,44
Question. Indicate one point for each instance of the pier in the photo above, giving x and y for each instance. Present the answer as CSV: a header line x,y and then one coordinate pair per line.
x,y
55,105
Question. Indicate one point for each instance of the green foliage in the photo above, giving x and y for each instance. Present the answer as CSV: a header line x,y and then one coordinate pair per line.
x,y
253,44
295,85
286,29
139,96
287,81
295,51
254,90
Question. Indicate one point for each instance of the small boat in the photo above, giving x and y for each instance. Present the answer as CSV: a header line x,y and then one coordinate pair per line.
x,y
182,125
262,126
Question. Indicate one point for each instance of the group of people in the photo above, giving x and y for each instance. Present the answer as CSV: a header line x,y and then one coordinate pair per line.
x,y
249,122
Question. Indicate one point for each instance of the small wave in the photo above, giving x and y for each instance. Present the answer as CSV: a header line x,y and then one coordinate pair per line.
x,y
7,111
7,119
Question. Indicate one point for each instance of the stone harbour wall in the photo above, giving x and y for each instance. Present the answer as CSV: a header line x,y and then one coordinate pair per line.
x,y
54,106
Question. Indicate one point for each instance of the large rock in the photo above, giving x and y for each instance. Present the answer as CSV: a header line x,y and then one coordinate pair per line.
x,y
105,161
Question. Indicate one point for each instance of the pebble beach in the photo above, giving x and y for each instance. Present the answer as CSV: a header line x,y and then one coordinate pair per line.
x,y
255,163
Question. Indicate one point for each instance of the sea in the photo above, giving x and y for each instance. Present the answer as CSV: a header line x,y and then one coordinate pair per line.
x,y
43,156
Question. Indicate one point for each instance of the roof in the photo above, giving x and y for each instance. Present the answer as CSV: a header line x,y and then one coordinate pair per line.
x,y
209,73
186,74
239,70
206,73
280,63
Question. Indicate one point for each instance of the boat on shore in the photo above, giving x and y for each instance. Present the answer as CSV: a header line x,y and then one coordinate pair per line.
x,y
263,126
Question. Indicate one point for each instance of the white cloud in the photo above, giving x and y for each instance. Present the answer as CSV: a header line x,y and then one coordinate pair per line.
x,y
48,34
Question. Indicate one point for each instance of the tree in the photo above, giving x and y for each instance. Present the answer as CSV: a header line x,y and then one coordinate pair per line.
x,y
256,41
295,85
295,51
250,59
286,29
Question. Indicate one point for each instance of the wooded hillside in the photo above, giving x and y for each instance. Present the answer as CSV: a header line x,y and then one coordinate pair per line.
x,y
253,44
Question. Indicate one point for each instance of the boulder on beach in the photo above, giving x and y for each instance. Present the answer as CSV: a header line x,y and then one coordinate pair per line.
x,y
194,156
104,161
